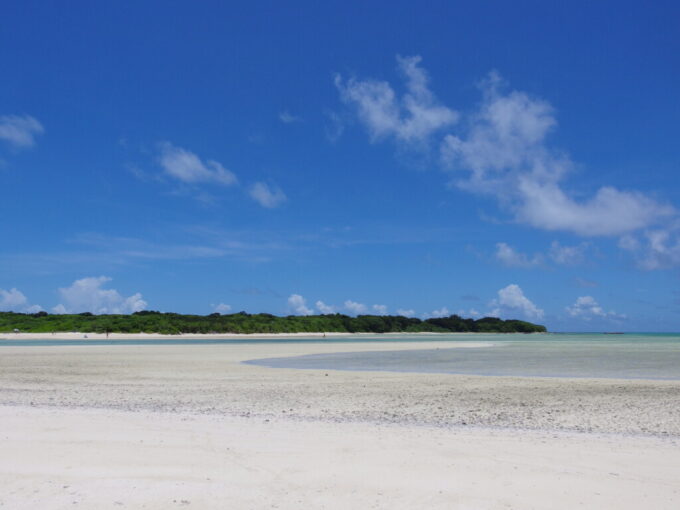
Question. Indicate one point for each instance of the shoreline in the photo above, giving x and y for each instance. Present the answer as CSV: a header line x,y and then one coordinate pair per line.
x,y
159,426
226,336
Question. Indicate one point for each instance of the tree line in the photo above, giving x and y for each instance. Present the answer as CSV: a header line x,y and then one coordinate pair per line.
x,y
173,323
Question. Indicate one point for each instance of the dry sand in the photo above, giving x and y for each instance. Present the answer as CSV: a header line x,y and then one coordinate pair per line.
x,y
163,426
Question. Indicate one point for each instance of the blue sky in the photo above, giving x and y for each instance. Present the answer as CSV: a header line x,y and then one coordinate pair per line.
x,y
510,158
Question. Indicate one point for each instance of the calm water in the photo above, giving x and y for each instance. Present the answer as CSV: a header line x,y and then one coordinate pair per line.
x,y
630,356
639,355
7,340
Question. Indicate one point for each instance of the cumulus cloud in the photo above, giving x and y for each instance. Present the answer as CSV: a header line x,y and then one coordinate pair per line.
x,y
355,308
187,167
406,312
501,151
222,308
413,117
20,131
510,257
266,196
324,308
88,295
511,300
14,300
587,308
380,309
298,305
505,154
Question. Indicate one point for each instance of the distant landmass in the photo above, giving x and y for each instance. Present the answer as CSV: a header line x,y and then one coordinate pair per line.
x,y
242,322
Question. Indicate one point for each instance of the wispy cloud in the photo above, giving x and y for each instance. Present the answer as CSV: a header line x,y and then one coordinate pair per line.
x,y
267,196
587,308
655,249
567,255
510,257
288,118
20,131
501,151
187,167
585,283
413,117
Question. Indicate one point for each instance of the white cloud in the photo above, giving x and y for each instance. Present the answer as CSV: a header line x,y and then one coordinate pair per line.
x,y
335,126
13,300
298,305
559,254
324,308
355,308
502,152
59,309
20,130
187,167
411,118
510,257
380,309
442,312
287,118
587,308
567,255
266,196
511,300
506,155
406,312
87,295
470,313
660,248
222,308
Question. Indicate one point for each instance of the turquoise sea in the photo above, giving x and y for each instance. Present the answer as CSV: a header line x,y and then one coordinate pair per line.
x,y
629,356
632,355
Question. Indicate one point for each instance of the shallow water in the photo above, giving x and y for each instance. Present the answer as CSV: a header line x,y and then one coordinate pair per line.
x,y
630,356
7,340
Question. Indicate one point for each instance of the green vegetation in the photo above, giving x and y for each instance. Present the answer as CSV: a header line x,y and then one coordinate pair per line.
x,y
173,323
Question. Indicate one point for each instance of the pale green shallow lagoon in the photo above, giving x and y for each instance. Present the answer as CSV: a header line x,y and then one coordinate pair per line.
x,y
582,355
629,356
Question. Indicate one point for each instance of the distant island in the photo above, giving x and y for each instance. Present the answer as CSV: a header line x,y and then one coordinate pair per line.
x,y
242,322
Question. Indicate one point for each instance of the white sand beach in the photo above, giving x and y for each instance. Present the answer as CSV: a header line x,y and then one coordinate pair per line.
x,y
159,426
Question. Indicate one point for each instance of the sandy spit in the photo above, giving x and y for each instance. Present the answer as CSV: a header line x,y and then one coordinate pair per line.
x,y
160,426
207,336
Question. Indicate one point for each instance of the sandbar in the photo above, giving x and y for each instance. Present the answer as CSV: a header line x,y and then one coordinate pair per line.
x,y
158,426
